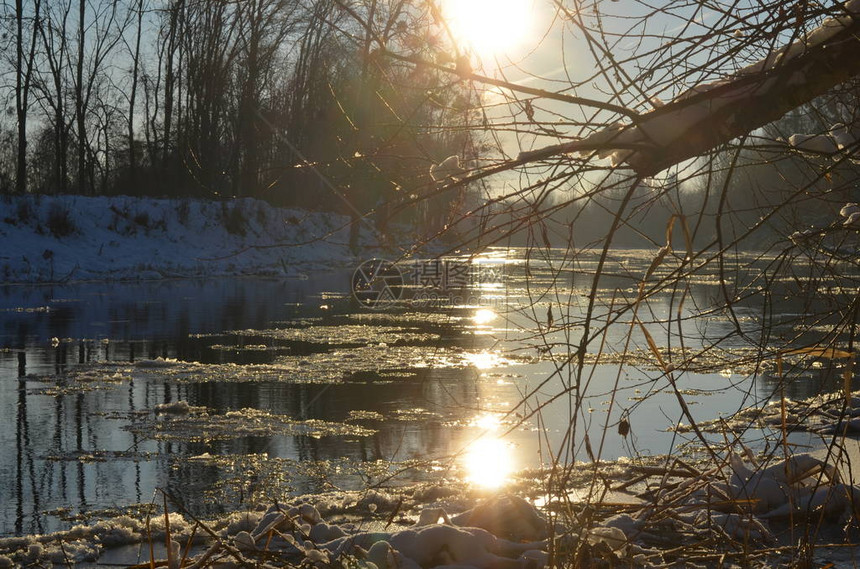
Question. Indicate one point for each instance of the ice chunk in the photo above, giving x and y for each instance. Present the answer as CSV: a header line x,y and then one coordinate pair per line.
x,y
175,408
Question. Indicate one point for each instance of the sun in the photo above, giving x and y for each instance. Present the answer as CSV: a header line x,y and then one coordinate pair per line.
x,y
489,28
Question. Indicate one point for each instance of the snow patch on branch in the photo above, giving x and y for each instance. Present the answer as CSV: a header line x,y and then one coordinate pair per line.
x,y
838,138
819,143
851,213
447,168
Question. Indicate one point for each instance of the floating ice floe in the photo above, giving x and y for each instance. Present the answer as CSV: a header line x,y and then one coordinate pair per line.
x,y
343,335
174,408
83,543
157,362
186,423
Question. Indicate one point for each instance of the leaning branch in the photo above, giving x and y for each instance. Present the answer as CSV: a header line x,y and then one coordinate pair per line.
x,y
540,93
711,114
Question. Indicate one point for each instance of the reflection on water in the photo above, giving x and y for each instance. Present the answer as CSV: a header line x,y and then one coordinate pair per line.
x,y
484,360
458,387
486,422
488,462
484,316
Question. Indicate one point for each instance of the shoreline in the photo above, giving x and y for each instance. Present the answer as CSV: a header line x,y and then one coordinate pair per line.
x,y
68,238
623,531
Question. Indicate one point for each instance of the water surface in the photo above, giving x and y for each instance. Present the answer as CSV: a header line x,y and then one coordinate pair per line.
x,y
460,383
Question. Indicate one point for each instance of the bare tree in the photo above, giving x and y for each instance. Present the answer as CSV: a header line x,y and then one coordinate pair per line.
x,y
23,82
264,26
107,25
53,33
133,88
175,29
80,103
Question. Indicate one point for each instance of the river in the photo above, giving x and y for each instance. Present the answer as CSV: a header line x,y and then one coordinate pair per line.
x,y
298,385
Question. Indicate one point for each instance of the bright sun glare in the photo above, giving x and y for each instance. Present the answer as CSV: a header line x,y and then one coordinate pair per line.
x,y
483,316
488,462
482,360
489,27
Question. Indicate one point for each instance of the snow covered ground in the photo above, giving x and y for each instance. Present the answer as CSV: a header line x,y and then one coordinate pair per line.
x,y
67,238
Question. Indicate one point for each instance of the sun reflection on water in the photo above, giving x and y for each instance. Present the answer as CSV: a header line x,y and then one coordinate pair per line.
x,y
488,462
483,360
487,422
484,316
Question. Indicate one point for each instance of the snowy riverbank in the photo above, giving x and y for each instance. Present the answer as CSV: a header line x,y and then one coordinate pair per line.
x,y
62,238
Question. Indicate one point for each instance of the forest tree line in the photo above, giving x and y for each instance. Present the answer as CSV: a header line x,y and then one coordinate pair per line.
x,y
278,99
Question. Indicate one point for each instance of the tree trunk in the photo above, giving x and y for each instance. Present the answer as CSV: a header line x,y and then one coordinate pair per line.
x,y
132,154
248,142
20,102
79,100
169,81
23,77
